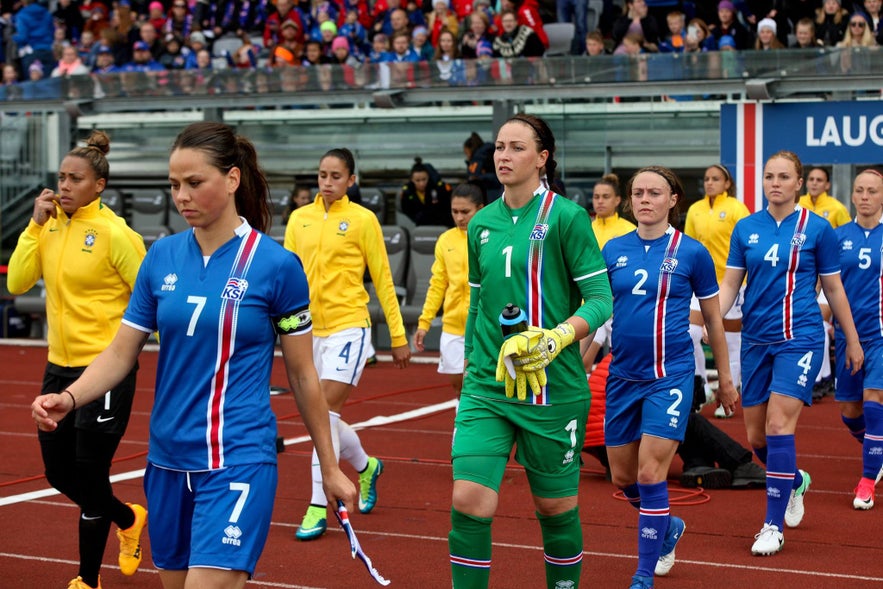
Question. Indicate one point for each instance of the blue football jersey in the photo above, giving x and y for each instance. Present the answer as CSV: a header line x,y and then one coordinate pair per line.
x,y
216,331
862,273
652,284
783,262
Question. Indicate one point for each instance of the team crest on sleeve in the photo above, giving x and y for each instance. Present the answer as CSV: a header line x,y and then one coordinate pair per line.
x,y
798,239
169,282
235,289
91,236
753,239
539,232
669,265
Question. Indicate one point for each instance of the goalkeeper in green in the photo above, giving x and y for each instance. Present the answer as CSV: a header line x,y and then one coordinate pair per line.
x,y
536,250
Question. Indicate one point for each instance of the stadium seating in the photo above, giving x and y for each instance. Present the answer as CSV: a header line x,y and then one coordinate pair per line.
x,y
397,249
422,256
150,214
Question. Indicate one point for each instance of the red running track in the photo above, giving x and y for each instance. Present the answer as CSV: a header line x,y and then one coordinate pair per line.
x,y
406,535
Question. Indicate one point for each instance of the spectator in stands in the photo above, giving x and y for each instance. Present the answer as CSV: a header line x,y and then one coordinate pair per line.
x,y
441,18
858,35
480,165
68,13
313,54
420,43
104,62
528,15
674,41
636,20
99,19
728,24
272,29
335,270
426,198
595,44
88,259
355,32
402,52
149,36
379,49
831,22
196,43
699,37
70,64
328,31
10,75
476,40
516,40
805,35
33,35
873,8
449,286
447,59
415,14
175,55
398,23
156,15
607,224
180,20
766,36
288,50
142,60
575,11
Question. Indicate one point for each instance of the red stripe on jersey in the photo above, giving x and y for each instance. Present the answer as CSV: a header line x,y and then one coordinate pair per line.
x,y
791,278
661,304
226,340
535,274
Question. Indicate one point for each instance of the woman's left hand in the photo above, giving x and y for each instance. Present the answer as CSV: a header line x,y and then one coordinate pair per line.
x,y
401,356
727,396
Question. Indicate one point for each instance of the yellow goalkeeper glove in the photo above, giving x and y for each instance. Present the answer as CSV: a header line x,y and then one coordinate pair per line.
x,y
515,354
548,345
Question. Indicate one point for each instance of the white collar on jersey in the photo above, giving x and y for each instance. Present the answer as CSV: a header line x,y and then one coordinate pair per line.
x,y
243,229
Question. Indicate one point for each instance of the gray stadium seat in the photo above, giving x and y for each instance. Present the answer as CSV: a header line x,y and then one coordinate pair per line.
x,y
397,244
423,241
113,199
150,214
560,35
374,200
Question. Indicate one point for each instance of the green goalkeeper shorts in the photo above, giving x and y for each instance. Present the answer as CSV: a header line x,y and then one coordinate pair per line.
x,y
547,438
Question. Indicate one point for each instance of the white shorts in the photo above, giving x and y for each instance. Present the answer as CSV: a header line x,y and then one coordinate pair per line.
x,y
452,356
735,311
341,356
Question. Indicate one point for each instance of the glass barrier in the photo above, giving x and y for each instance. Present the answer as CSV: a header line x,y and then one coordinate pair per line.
x,y
487,72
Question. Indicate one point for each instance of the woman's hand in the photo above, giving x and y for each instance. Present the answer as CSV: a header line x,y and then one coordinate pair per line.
x,y
44,206
401,355
418,340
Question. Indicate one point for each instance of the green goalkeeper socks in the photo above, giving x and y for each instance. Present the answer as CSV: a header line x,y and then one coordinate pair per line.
x,y
563,548
469,543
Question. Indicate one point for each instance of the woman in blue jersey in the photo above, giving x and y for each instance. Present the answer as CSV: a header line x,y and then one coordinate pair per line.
x,y
218,296
88,259
654,272
861,394
536,250
783,251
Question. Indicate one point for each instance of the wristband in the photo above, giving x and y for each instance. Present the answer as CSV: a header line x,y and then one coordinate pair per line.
x,y
73,400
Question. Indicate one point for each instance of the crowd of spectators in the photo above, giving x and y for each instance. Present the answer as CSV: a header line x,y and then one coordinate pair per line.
x,y
66,38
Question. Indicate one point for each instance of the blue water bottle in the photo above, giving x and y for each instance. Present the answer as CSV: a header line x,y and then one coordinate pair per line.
x,y
512,320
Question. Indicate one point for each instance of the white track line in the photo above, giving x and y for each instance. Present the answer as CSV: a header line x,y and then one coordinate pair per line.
x,y
375,421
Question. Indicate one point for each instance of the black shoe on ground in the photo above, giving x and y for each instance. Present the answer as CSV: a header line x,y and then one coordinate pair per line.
x,y
749,475
707,477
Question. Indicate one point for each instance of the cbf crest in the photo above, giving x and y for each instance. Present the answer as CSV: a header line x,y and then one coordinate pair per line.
x,y
539,232
343,226
89,239
235,289
669,265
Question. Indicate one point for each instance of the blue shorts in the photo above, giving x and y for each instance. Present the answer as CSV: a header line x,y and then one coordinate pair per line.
x,y
788,368
214,519
851,387
658,408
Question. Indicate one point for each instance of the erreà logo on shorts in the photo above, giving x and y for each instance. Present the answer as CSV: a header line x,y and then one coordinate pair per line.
x,y
235,289
231,535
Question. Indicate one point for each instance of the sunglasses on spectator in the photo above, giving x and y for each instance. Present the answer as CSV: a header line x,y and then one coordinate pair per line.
x,y
857,23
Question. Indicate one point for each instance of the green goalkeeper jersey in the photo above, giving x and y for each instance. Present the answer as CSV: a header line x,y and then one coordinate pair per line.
x,y
543,258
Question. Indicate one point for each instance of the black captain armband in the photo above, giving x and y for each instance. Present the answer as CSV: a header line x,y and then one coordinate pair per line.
x,y
294,322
